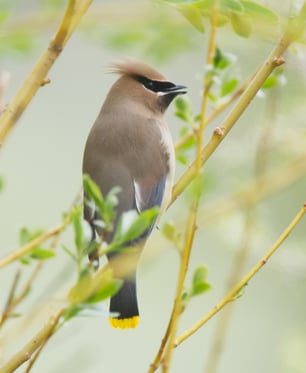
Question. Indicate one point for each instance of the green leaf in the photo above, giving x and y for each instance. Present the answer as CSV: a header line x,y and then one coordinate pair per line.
x,y
111,201
205,5
206,8
77,220
108,290
25,260
142,223
169,231
193,15
199,284
90,284
182,116
105,205
223,60
72,312
25,235
131,226
241,25
212,98
42,254
93,191
228,87
276,79
218,58
39,253
191,12
183,110
270,82
182,104
229,6
182,158
258,12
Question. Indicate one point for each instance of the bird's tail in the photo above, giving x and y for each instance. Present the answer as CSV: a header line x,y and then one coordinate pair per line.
x,y
124,306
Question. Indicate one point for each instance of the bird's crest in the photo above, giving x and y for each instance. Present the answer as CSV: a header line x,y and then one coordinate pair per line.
x,y
135,68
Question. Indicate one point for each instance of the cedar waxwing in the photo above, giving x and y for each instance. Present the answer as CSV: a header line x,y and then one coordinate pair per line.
x,y
130,146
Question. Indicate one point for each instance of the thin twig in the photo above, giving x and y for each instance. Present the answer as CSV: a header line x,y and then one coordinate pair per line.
x,y
36,342
74,11
218,339
165,356
178,307
222,324
219,109
28,284
30,245
233,294
273,61
37,353
10,299
17,299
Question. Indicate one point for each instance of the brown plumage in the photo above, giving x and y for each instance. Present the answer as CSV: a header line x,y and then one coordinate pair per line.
x,y
134,68
130,146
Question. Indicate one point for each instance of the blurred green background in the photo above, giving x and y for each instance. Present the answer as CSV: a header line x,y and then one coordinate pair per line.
x,y
41,169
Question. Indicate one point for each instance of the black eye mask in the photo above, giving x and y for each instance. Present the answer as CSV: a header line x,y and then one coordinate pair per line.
x,y
155,85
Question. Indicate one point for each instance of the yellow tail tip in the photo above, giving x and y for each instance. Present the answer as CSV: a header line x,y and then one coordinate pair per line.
x,y
129,323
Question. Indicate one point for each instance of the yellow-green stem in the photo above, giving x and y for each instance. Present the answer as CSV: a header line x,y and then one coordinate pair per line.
x,y
30,245
233,293
274,60
36,342
74,12
177,308
192,218
219,109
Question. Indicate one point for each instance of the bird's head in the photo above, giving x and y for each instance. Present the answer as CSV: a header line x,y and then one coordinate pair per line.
x,y
143,85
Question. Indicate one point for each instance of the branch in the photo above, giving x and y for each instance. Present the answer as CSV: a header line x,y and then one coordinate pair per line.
x,y
194,171
37,341
274,60
15,300
10,298
233,294
166,349
223,322
74,12
30,245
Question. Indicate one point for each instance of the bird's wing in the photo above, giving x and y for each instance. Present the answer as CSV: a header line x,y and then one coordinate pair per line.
x,y
148,195
138,164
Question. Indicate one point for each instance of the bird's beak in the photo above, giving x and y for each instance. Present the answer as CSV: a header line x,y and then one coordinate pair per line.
x,y
175,90
179,89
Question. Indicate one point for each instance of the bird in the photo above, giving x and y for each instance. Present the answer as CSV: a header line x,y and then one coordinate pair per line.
x,y
130,146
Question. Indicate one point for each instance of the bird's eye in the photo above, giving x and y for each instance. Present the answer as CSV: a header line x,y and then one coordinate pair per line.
x,y
149,84
155,85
